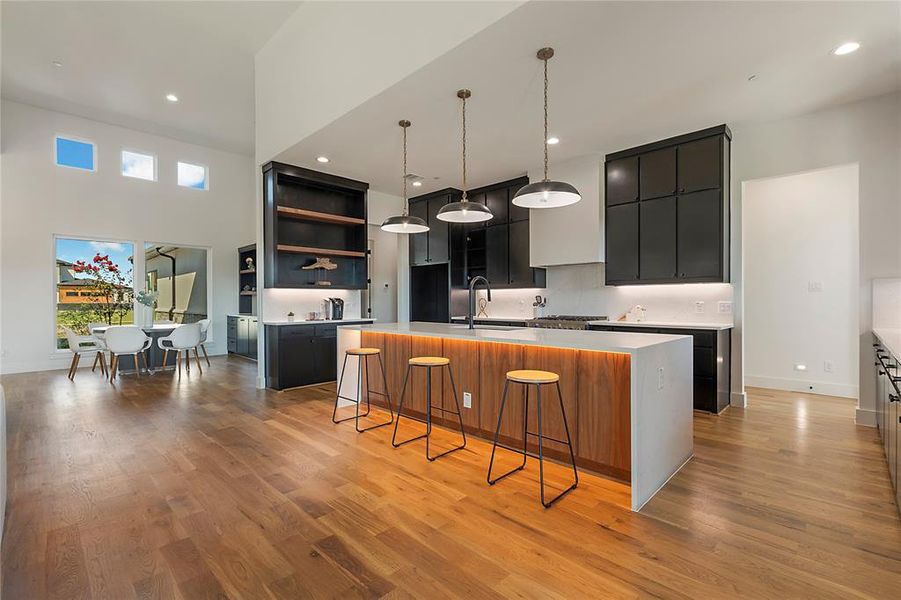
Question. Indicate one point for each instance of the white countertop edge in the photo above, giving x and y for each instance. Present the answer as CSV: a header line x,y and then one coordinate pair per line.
x,y
319,322
240,316
664,324
502,319
891,339
599,341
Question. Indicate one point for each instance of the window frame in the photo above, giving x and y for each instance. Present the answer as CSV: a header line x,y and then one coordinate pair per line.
x,y
132,150
206,176
74,138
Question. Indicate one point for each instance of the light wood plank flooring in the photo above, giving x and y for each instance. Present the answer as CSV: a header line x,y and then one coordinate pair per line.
x,y
202,487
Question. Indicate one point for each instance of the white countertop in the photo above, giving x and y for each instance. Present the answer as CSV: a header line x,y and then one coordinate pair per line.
x,y
600,341
664,324
891,339
319,322
240,316
494,319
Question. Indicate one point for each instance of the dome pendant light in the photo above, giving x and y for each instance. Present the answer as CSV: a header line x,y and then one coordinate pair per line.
x,y
464,211
546,193
405,223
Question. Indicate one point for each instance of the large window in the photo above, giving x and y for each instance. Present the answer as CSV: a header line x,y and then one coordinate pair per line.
x,y
94,284
178,274
72,153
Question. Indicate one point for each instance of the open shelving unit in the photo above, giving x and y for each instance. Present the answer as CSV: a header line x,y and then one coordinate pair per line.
x,y
246,277
310,215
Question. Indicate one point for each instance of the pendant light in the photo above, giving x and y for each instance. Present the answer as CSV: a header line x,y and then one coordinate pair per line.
x,y
464,211
405,223
546,193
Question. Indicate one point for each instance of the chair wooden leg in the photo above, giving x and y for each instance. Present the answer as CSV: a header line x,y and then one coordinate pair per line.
x,y
114,366
178,361
205,355
197,358
165,358
73,365
103,370
96,359
144,358
137,365
187,360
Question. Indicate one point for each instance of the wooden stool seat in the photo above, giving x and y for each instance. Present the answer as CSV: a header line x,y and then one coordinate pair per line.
x,y
429,361
530,376
362,351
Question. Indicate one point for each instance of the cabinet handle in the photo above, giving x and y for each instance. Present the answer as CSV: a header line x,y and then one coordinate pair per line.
x,y
881,373
893,398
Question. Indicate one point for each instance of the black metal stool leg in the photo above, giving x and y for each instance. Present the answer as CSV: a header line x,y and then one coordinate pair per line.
x,y
338,393
497,433
385,383
572,454
541,451
459,416
368,405
400,408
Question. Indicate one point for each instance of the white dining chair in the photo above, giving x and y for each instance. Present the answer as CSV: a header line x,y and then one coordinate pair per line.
x,y
84,344
204,330
126,340
183,338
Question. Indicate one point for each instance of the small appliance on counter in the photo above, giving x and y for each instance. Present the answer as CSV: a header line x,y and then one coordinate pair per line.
x,y
327,308
337,309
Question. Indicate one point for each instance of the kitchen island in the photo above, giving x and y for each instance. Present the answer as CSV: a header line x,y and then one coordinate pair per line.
x,y
628,396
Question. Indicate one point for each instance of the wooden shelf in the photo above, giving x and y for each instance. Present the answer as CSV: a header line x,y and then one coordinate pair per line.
x,y
246,271
322,251
243,293
312,215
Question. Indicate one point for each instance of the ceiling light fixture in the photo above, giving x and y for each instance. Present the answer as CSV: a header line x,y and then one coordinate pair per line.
x,y
546,193
57,64
171,97
322,159
417,184
553,141
404,223
846,48
464,211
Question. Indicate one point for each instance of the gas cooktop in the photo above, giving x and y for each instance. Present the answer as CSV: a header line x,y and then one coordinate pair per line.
x,y
564,321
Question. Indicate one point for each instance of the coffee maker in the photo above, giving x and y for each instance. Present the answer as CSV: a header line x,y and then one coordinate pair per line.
x,y
337,308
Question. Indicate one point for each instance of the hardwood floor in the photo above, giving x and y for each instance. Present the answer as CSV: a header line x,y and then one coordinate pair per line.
x,y
202,487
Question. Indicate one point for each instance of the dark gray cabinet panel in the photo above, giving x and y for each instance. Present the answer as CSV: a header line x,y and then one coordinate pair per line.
x,y
497,204
242,336
497,254
657,239
622,243
699,165
521,273
700,231
419,242
232,334
517,213
622,181
657,173
299,355
438,232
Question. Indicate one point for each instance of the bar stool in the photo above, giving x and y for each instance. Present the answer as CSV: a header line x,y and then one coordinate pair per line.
x,y
528,378
362,355
428,363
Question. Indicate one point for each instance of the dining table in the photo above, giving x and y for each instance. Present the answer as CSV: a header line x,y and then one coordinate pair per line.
x,y
154,353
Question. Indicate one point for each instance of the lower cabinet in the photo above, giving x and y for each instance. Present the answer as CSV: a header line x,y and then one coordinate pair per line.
x,y
242,336
303,354
712,353
888,409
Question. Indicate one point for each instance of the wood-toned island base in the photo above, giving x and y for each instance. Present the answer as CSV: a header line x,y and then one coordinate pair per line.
x,y
595,386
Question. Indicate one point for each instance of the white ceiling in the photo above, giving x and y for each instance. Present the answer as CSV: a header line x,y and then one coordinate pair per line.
x,y
623,74
120,59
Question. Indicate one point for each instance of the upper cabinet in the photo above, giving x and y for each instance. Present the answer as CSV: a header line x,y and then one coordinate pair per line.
x,y
310,216
667,210
432,247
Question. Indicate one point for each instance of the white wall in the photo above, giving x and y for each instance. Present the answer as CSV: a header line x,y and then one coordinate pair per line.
x,y
329,57
887,303
39,199
867,133
800,281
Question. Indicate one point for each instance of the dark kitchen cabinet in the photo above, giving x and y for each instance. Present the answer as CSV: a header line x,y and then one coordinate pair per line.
x,y
657,239
497,202
497,254
621,180
438,233
517,213
241,334
522,274
678,229
303,354
419,242
658,173
622,243
433,246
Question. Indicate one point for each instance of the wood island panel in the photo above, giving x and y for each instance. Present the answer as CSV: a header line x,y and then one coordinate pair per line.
x,y
564,363
494,362
605,412
416,388
464,357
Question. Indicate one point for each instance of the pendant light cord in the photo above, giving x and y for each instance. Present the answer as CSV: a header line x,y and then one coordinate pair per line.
x,y
464,148
405,172
545,120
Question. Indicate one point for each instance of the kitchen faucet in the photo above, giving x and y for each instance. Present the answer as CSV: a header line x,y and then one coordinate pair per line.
x,y
472,300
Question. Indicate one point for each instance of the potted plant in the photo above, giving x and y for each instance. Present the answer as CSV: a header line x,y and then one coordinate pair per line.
x,y
290,317
148,300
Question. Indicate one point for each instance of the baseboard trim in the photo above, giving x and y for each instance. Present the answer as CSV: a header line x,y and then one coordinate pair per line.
x,y
865,417
800,385
738,400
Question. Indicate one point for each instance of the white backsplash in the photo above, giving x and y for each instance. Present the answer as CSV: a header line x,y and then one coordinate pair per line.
x,y
278,302
580,290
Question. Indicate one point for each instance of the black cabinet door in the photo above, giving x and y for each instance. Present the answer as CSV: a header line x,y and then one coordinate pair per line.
x,y
622,243
517,213
657,239
700,165
295,357
457,254
622,180
521,273
497,204
497,254
419,242
243,337
252,326
657,173
438,232
232,334
325,352
700,234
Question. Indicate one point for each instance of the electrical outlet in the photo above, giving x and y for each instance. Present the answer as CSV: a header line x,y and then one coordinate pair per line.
x,y
814,286
828,366
660,379
724,308
467,400
699,306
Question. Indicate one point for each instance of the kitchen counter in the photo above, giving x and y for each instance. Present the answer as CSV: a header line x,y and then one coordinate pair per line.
x,y
665,325
493,319
317,322
240,316
628,395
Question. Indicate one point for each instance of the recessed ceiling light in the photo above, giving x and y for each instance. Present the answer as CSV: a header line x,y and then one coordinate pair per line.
x,y
417,183
171,97
322,159
553,140
57,64
846,48
752,77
